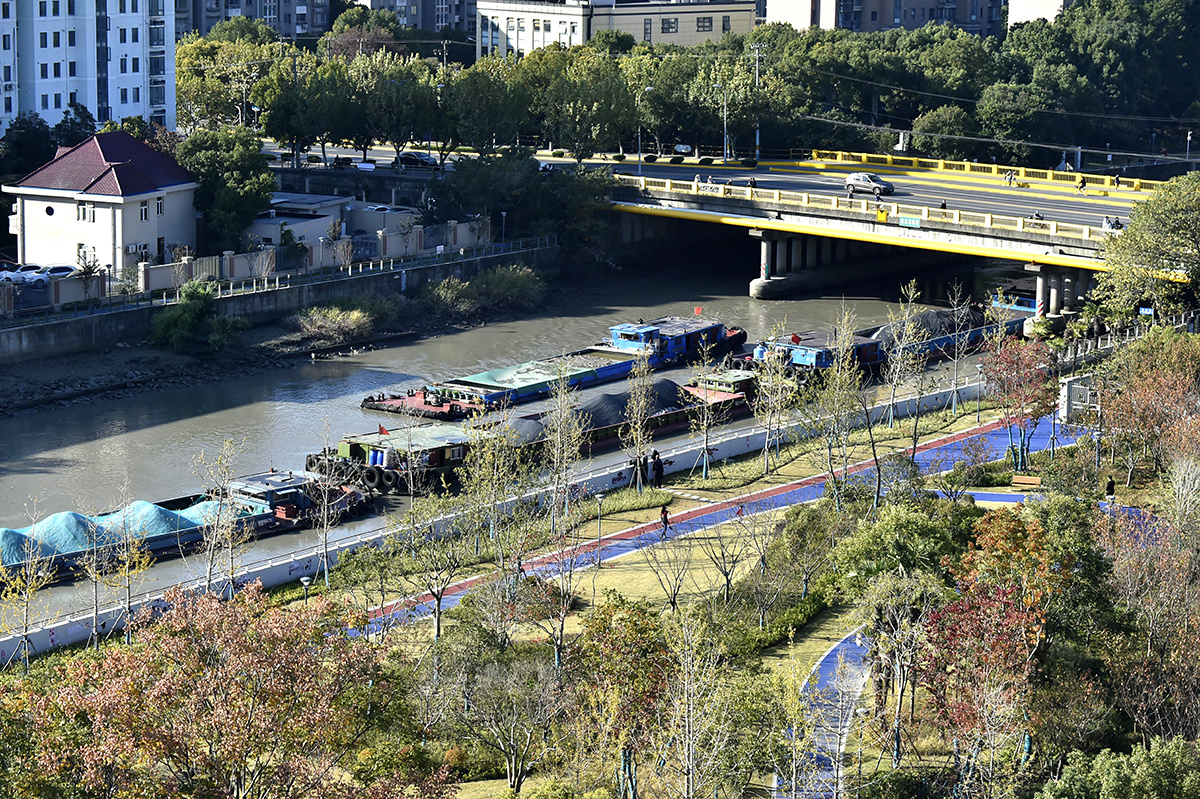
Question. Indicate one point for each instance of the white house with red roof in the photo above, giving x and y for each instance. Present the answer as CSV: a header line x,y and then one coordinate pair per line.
x,y
111,197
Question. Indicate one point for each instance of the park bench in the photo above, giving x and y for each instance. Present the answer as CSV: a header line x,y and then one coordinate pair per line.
x,y
1026,482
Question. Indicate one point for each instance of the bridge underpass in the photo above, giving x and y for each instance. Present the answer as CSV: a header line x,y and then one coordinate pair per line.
x,y
806,240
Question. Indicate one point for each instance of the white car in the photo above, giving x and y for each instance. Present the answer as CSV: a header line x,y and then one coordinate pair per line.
x,y
45,274
18,274
869,182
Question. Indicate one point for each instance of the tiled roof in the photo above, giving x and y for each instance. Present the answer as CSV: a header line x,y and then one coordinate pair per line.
x,y
113,164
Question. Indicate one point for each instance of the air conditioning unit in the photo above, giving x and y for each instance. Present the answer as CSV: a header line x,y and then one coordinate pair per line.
x,y
8,87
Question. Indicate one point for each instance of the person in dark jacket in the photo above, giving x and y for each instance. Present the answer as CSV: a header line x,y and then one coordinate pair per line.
x,y
657,466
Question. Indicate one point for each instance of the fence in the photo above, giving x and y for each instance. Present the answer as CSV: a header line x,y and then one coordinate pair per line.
x,y
870,208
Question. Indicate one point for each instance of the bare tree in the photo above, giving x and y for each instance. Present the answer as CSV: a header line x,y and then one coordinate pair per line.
x,y
960,309
343,251
795,757
834,405
264,262
775,398
495,474
707,413
117,555
726,548
564,434
636,437
224,534
435,563
670,559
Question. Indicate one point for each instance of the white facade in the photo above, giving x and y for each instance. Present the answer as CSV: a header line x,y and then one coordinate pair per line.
x,y
115,57
52,227
516,27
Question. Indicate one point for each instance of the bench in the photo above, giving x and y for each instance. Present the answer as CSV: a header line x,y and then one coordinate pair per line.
x,y
1026,482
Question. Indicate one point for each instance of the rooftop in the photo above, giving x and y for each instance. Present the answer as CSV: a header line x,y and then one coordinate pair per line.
x,y
110,164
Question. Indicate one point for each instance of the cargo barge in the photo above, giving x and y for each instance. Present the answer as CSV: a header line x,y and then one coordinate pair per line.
x,y
257,505
665,342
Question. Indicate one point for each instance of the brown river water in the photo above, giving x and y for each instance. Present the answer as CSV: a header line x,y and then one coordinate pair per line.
x,y
82,456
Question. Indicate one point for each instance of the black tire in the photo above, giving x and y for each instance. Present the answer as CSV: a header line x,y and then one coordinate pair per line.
x,y
849,188
310,463
877,192
373,478
391,479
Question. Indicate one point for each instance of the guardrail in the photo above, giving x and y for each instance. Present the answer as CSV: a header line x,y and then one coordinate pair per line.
x,y
230,288
998,171
872,208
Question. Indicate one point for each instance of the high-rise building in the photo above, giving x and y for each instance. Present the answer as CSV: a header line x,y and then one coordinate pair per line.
x,y
114,57
289,18
984,17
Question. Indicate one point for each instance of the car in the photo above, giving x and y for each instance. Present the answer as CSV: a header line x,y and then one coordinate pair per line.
x,y
11,273
45,274
869,182
376,208
412,160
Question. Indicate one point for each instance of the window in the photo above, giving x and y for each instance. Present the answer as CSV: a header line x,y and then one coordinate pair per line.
x,y
546,25
158,206
874,16
72,97
70,38
509,24
144,210
158,34
133,6
45,68
57,69
647,29
4,10
703,24
42,8
57,39
136,65
137,94
45,101
121,6
158,95
520,24
725,26
133,35
8,105
670,25
7,74
7,42
124,65
537,25
54,8
574,28
70,69
121,35
124,96
70,8
58,100
43,38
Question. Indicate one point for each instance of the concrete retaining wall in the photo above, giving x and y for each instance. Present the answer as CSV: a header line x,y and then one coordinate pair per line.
x,y
260,307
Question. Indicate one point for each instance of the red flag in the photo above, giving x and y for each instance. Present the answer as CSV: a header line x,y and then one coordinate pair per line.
x,y
795,339
697,310
382,430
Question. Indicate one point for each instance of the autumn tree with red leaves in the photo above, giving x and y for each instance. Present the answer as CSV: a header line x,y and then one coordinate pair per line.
x,y
977,669
1020,379
234,699
1141,412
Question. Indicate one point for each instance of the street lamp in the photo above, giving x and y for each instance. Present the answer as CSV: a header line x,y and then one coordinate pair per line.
x,y
306,581
639,110
724,122
503,223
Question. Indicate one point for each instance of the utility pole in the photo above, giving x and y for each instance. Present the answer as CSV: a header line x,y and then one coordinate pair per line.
x,y
295,94
757,48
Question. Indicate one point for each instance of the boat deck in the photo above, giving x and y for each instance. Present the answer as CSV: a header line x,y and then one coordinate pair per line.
x,y
542,372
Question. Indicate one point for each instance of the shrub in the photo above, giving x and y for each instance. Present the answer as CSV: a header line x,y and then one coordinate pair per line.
x,y
706,161
650,158
333,324
618,157
751,163
785,624
676,159
551,789
557,153
507,288
194,320
451,299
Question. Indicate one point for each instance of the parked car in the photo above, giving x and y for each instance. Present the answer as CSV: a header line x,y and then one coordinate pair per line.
x,y
413,160
869,182
12,273
47,273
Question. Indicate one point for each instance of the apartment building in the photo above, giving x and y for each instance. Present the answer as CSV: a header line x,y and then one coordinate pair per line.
x,y
983,17
114,57
289,18
521,26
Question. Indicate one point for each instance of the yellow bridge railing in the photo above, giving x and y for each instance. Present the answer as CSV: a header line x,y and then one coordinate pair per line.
x,y
896,213
1022,174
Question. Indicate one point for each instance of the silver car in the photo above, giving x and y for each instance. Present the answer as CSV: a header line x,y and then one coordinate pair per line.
x,y
44,275
12,273
868,182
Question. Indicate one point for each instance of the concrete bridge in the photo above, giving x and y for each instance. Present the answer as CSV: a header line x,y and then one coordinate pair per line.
x,y
803,234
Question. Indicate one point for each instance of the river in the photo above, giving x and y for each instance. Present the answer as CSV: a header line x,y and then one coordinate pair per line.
x,y
92,456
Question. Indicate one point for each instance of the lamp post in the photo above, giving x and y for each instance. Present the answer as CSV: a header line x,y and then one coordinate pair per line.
x,y
639,113
503,223
306,581
599,516
724,121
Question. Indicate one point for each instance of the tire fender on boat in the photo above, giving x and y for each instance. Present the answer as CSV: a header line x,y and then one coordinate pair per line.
x,y
373,477
391,479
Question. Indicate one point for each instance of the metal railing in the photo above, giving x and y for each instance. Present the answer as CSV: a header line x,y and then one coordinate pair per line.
x,y
871,208
231,288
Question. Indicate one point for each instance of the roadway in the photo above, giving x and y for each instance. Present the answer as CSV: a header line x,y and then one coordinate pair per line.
x,y
981,194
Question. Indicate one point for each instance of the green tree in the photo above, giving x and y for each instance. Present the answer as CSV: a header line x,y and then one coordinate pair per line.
x,y
589,106
1167,769
235,182
1012,111
77,125
612,42
949,121
27,144
243,29
496,123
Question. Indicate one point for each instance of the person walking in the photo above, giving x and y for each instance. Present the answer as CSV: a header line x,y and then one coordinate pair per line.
x,y
657,466
1110,491
666,520
943,205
